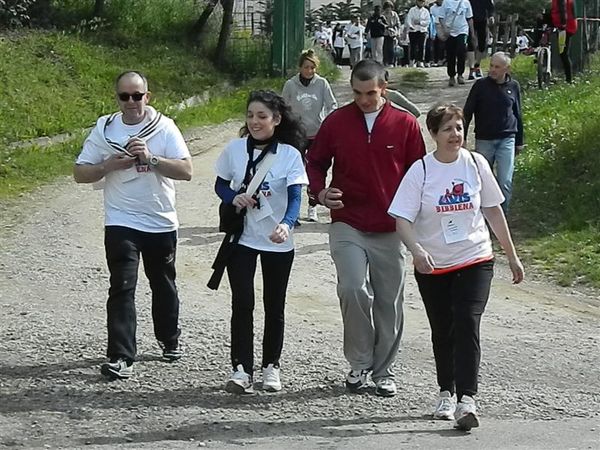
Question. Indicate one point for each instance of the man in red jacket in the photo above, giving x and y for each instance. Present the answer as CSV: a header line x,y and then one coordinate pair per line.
x,y
562,14
371,143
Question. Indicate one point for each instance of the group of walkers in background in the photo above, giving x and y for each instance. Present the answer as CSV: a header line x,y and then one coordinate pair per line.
x,y
431,33
451,33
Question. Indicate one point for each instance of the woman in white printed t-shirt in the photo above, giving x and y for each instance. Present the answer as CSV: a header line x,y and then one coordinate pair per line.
x,y
441,207
270,215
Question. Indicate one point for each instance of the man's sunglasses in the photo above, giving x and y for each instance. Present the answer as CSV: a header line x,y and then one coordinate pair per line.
x,y
124,96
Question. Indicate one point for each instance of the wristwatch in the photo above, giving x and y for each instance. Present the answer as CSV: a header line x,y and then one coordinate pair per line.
x,y
153,160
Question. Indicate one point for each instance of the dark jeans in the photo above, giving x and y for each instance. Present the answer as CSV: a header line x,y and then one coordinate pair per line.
x,y
241,267
566,59
454,303
388,50
123,247
417,45
312,198
456,52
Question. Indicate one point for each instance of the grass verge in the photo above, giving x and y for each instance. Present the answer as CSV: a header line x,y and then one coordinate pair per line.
x,y
556,203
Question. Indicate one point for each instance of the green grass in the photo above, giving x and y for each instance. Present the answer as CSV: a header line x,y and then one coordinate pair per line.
x,y
53,83
405,77
556,189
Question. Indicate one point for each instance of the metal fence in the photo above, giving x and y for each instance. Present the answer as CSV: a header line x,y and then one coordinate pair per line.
x,y
587,40
249,47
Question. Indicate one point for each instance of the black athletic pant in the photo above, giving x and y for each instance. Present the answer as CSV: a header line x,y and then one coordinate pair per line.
x,y
456,53
417,45
123,247
454,303
388,50
241,267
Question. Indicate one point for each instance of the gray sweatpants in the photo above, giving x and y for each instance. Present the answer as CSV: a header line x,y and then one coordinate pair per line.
x,y
370,270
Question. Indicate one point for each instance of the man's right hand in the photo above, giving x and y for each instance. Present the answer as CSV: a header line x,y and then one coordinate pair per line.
x,y
331,198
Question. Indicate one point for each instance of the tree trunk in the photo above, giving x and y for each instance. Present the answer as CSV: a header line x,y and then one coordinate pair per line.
x,y
98,8
198,27
226,26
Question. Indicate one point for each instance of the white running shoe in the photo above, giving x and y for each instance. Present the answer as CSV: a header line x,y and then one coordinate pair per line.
x,y
312,214
466,414
271,380
445,406
356,380
240,382
385,387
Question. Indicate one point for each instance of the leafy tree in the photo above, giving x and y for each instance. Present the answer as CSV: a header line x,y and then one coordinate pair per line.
x,y
344,10
15,13
526,9
226,26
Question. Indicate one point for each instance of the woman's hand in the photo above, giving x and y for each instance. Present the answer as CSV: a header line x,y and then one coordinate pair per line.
x,y
423,261
331,198
244,200
518,273
280,234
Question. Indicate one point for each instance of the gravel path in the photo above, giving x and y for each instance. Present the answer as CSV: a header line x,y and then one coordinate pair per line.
x,y
540,343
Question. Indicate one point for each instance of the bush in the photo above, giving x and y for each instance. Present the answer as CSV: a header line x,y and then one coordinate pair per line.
x,y
15,13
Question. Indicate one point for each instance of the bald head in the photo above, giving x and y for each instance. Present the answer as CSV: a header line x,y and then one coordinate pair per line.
x,y
131,76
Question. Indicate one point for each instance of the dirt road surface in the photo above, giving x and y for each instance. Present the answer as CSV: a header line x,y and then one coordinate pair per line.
x,y
540,376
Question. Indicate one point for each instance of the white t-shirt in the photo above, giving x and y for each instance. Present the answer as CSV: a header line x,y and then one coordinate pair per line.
x,y
434,10
444,204
354,35
139,198
370,119
455,14
287,169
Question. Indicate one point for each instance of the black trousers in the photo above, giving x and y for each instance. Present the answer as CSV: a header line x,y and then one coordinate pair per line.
x,y
456,53
241,268
417,45
388,50
454,303
123,247
566,59
439,50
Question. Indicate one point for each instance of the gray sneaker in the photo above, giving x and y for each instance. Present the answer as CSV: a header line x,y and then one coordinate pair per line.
x,y
461,80
451,81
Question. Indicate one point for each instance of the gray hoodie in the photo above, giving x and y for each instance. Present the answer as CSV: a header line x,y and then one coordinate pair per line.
x,y
312,103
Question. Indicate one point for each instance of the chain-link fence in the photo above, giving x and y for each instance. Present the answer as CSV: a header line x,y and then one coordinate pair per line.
x,y
249,47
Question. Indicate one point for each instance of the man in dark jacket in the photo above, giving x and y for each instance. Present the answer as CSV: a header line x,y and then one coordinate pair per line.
x,y
371,143
376,26
495,101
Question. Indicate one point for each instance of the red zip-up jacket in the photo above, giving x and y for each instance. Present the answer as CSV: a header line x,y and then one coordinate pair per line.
x,y
568,14
367,167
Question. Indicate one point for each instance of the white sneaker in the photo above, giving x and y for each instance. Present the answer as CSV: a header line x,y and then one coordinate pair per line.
x,y
385,387
445,406
271,380
466,414
312,214
240,382
356,380
421,64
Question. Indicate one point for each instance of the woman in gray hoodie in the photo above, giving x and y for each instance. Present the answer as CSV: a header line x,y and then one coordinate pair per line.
x,y
311,97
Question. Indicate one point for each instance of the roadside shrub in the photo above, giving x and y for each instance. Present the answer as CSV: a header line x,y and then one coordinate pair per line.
x,y
15,13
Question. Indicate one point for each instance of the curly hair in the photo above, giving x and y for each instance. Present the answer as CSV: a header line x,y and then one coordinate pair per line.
x,y
290,129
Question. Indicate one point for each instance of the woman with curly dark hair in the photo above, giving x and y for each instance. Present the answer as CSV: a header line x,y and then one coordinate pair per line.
x,y
271,135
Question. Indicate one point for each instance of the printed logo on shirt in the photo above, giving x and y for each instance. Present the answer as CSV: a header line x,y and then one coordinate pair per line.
x,y
265,189
307,100
140,167
457,198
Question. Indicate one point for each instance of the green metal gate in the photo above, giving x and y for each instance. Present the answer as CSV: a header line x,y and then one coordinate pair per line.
x,y
288,34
